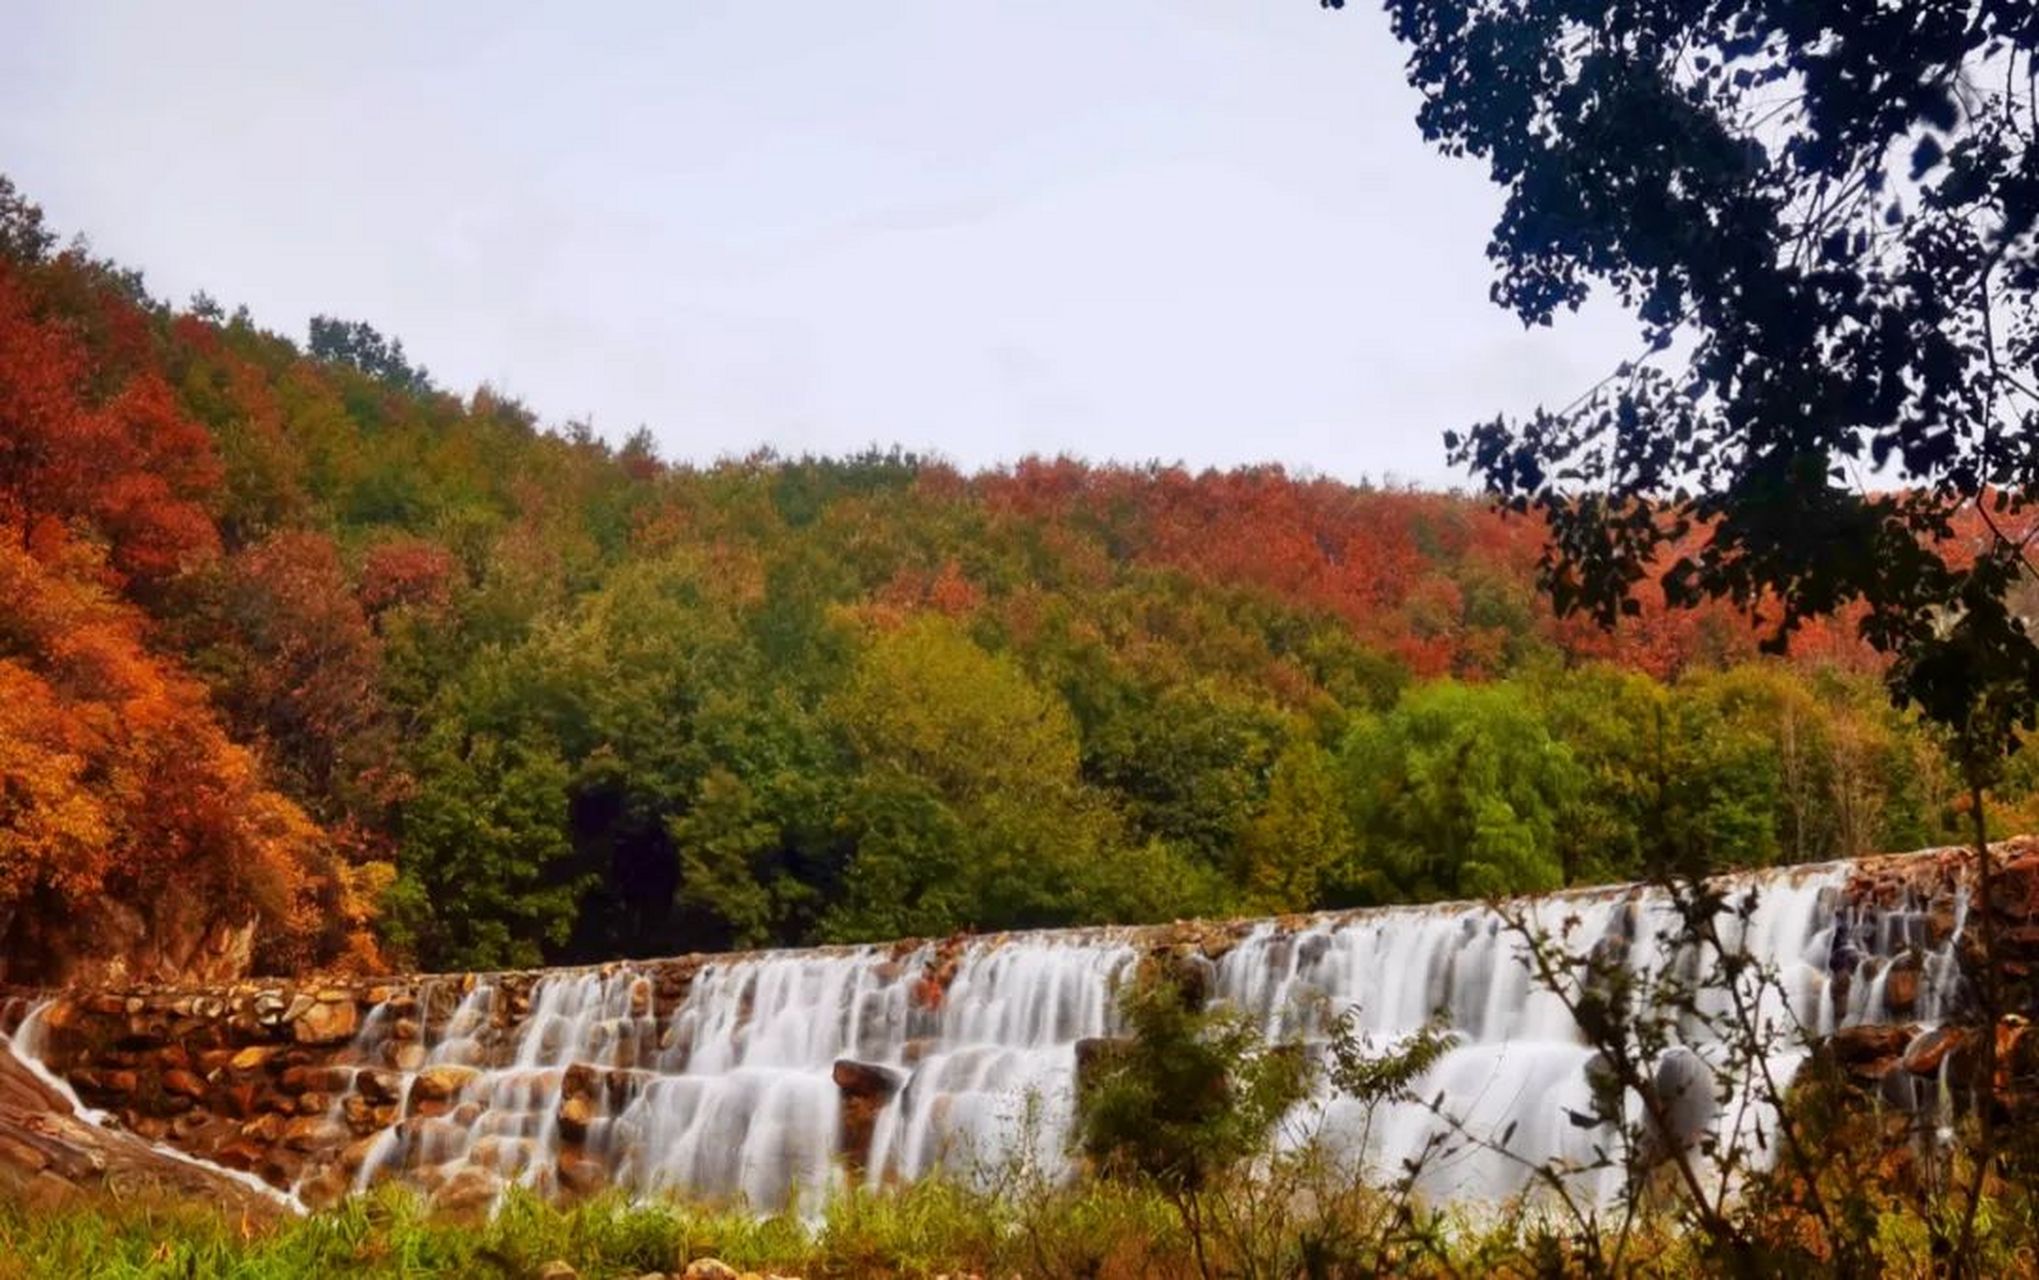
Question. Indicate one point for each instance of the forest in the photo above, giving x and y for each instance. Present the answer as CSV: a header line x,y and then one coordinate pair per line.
x,y
412,677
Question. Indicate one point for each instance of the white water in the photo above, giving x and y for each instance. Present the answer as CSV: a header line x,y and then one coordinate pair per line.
x,y
1513,1093
731,1095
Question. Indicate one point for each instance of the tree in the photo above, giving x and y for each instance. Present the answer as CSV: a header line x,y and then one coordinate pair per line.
x,y
120,793
1292,845
356,343
969,809
486,877
1831,212
128,465
306,670
1459,792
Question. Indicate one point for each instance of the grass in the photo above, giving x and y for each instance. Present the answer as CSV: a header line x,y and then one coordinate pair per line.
x,y
932,1229
1097,1230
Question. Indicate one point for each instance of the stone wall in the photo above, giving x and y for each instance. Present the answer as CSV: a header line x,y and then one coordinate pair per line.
x,y
265,1077
50,1157
270,1077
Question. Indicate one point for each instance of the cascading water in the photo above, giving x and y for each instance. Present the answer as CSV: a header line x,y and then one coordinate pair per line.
x,y
1513,1094
769,1078
733,1095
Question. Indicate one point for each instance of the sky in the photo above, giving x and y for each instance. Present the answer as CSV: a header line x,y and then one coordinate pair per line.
x,y
1199,231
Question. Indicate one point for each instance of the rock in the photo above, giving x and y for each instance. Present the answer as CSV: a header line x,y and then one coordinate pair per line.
x,y
358,1112
556,1270
1901,987
182,1082
865,1079
579,1081
1866,1050
356,1153
709,1269
316,1133
253,1058
581,1175
1924,1055
49,1157
575,1115
308,1079
865,1087
379,1086
437,1084
469,1190
323,1190
407,1056
326,1022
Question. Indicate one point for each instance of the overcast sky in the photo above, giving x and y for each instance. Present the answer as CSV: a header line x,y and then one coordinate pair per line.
x,y
1196,230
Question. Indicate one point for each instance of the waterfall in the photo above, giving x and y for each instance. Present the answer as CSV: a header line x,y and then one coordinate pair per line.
x,y
733,1096
770,1079
1514,1092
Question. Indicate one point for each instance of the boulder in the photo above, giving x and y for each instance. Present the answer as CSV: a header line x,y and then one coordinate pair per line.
x,y
1866,1052
408,1055
468,1191
183,1083
865,1087
253,1058
438,1084
378,1085
325,1022
1901,987
709,1269
582,1175
575,1115
1923,1056
316,1133
557,1269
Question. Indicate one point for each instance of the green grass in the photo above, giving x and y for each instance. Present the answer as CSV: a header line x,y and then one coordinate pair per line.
x,y
931,1229
1090,1231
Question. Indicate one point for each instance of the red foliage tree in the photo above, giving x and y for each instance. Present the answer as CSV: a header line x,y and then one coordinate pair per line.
x,y
131,468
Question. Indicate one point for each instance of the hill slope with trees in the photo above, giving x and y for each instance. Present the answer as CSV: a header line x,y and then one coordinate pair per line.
x,y
307,661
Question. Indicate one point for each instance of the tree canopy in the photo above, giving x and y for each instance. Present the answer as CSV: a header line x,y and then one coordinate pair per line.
x,y
1823,219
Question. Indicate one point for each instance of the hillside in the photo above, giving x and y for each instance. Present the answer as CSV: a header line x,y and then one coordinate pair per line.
x,y
307,661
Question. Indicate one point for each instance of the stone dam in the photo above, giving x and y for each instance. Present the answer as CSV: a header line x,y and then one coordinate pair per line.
x,y
768,1078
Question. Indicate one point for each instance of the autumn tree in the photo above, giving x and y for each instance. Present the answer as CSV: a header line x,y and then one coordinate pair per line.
x,y
124,809
128,467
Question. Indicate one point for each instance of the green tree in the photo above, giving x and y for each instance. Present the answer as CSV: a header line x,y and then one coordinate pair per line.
x,y
1292,846
1458,792
485,874
969,809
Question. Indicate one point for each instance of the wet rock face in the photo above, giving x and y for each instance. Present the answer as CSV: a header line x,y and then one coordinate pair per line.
x,y
866,1088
